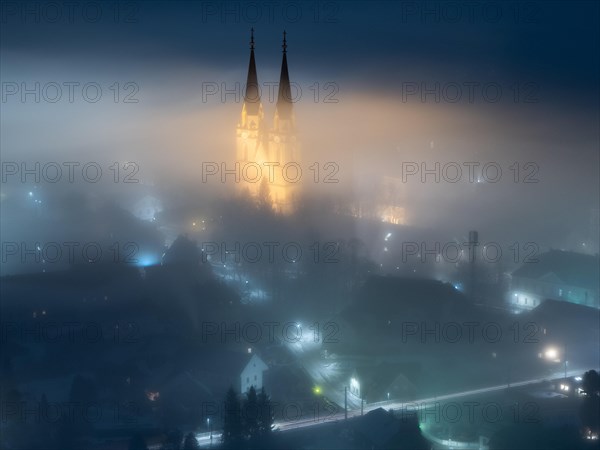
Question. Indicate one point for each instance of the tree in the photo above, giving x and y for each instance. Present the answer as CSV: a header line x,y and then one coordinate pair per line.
x,y
591,383
173,440
190,442
265,418
45,430
72,429
138,442
590,407
13,429
232,420
250,415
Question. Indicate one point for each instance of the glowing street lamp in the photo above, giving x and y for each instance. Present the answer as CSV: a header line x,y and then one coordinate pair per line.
x,y
551,354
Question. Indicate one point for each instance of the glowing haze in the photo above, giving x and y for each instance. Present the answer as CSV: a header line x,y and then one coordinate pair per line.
x,y
362,108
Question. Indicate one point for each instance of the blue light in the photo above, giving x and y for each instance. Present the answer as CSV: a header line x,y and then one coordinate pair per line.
x,y
146,259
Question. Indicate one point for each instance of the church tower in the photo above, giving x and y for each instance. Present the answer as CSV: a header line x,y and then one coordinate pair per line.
x,y
275,150
251,135
283,145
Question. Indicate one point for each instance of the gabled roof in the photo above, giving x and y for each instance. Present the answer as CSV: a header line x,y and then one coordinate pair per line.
x,y
255,362
377,379
574,269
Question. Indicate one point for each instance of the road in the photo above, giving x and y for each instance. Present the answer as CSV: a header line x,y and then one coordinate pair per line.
x,y
204,438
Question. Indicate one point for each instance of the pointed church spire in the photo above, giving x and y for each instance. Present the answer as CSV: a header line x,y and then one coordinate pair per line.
x,y
284,97
252,96
284,42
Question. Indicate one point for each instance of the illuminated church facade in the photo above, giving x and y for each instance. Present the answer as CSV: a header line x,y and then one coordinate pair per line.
x,y
268,152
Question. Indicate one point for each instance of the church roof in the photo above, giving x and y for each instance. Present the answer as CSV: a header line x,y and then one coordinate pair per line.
x,y
284,96
252,95
255,361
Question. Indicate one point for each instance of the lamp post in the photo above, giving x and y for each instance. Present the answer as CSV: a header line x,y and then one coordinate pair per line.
x,y
345,402
566,362
552,354
209,429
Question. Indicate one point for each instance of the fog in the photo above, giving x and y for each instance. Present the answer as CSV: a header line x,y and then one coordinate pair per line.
x,y
414,232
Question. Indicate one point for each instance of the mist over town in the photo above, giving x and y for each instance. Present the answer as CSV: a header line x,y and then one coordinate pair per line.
x,y
299,225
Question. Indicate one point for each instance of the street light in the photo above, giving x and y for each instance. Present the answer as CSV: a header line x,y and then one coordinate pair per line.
x,y
388,396
552,354
209,429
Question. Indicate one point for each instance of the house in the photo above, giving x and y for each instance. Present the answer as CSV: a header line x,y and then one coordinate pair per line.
x,y
252,374
557,275
383,381
381,429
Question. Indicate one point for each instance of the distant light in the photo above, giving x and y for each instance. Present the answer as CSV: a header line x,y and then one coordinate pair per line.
x,y
152,396
146,259
30,194
551,353
249,349
578,378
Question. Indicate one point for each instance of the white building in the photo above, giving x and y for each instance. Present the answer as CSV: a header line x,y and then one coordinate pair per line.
x,y
557,275
252,374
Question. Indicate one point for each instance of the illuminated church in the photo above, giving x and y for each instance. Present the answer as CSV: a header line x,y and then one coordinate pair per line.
x,y
271,146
